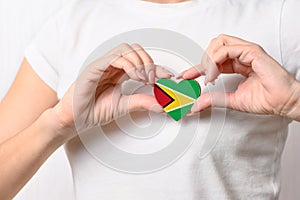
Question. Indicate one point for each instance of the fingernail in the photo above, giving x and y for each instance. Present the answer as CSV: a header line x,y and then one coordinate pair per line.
x,y
193,109
170,73
189,114
179,76
205,81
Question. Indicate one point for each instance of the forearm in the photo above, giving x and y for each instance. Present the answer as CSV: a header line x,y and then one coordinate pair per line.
x,y
292,110
22,155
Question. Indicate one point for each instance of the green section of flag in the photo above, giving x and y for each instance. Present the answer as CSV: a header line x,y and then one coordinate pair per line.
x,y
189,88
183,93
180,112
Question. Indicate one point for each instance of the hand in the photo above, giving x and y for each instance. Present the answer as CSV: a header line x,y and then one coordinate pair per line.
x,y
267,88
96,98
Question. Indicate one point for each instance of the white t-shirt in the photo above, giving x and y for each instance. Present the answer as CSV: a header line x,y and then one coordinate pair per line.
x,y
243,160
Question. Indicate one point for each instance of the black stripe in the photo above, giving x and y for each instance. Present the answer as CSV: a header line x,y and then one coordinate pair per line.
x,y
165,94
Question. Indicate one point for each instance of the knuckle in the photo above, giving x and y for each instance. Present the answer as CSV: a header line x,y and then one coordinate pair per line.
x,y
214,40
258,48
124,49
137,46
255,50
222,37
124,45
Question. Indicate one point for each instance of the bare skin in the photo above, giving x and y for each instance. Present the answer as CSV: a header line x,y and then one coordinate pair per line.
x,y
44,123
267,88
34,126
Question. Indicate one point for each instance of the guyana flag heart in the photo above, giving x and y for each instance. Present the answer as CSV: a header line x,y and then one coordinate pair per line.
x,y
177,99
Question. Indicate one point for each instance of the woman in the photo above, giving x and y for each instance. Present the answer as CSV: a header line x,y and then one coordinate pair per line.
x,y
243,164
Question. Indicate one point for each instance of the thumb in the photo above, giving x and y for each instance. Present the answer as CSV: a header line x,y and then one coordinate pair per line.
x,y
141,102
214,99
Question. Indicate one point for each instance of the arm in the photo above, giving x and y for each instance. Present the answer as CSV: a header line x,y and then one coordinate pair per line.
x,y
36,125
26,139
23,154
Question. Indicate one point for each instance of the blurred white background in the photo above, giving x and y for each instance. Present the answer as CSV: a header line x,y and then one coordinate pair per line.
x,y
19,22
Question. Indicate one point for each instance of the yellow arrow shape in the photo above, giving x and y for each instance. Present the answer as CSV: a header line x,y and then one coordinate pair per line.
x,y
180,100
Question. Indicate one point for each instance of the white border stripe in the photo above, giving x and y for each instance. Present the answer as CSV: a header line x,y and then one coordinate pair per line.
x,y
179,107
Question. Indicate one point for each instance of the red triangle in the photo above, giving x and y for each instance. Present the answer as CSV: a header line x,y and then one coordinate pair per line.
x,y
162,98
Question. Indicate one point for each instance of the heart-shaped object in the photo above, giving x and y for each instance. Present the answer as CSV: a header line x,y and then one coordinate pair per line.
x,y
177,99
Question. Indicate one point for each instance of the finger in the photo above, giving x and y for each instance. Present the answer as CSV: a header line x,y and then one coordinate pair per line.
x,y
146,59
218,63
148,63
127,51
215,45
216,99
133,54
210,71
242,54
127,66
90,77
193,72
207,66
224,40
153,71
162,72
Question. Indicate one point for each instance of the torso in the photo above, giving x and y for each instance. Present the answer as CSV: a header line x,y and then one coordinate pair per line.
x,y
234,155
